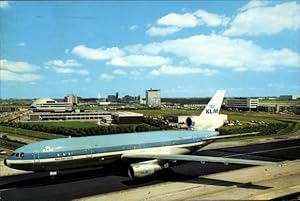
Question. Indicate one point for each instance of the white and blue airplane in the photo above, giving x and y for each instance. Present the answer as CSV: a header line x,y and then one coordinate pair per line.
x,y
154,151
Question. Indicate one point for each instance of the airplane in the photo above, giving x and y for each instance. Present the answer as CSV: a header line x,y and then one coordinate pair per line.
x,y
144,153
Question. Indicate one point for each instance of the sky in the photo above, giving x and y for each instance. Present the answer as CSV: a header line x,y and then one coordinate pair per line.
x,y
183,48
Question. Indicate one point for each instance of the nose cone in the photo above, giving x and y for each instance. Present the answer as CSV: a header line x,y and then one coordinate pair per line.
x,y
5,162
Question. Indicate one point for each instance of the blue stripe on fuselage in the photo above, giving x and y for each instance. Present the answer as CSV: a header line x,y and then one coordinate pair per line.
x,y
109,143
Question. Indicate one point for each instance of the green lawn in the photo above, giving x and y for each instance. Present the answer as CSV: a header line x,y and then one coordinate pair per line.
x,y
246,117
35,135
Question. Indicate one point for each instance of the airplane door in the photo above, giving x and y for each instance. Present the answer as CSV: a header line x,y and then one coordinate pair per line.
x,y
88,152
36,158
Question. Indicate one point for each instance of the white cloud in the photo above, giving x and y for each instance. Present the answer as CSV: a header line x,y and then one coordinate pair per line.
x,y
173,22
179,70
178,20
106,77
222,52
96,54
6,75
71,71
266,20
139,61
17,66
150,48
210,19
133,27
162,31
60,63
119,72
18,71
66,67
4,4
254,4
21,44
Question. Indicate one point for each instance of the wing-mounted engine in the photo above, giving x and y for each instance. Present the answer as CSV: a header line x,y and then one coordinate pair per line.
x,y
145,169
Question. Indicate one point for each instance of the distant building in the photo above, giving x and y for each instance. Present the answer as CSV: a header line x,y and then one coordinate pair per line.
x,y
128,99
296,109
88,115
153,98
128,118
71,99
50,105
142,101
288,97
117,97
242,103
111,98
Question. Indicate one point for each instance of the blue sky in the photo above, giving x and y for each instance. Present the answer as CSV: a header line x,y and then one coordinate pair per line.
x,y
184,48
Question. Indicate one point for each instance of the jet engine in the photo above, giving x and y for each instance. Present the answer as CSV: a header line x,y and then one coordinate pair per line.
x,y
191,121
205,123
144,169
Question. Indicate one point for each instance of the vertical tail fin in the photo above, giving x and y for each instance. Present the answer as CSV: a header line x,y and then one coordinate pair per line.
x,y
214,105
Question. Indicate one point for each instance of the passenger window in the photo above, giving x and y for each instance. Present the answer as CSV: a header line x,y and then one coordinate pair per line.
x,y
58,155
22,155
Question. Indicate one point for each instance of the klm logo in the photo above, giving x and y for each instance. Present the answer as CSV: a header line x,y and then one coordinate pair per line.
x,y
211,110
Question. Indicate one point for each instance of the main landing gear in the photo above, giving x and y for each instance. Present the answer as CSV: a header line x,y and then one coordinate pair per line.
x,y
52,175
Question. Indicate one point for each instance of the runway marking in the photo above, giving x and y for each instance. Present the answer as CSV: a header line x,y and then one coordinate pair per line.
x,y
6,189
264,151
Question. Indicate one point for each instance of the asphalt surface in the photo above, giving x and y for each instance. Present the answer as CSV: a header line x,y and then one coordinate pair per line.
x,y
80,184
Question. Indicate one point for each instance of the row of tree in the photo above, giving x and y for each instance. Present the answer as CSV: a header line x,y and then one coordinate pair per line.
x,y
265,129
148,125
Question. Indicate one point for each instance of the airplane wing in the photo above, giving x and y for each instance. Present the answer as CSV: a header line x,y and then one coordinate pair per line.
x,y
202,159
229,136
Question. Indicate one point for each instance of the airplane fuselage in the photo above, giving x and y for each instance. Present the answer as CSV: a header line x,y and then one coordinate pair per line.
x,y
80,152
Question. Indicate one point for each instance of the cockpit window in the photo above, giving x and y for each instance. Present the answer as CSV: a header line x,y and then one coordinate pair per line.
x,y
22,155
13,154
17,155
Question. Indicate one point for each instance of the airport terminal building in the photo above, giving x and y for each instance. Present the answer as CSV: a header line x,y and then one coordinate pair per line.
x,y
48,116
50,105
153,98
242,103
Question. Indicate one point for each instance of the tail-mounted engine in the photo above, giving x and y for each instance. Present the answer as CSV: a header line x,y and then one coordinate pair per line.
x,y
190,122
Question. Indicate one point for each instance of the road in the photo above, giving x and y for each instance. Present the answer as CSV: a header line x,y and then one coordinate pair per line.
x,y
93,185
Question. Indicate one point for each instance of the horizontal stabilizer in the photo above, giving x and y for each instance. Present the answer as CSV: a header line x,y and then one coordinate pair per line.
x,y
201,159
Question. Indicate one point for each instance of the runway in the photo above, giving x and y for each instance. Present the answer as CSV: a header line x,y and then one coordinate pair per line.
x,y
95,185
